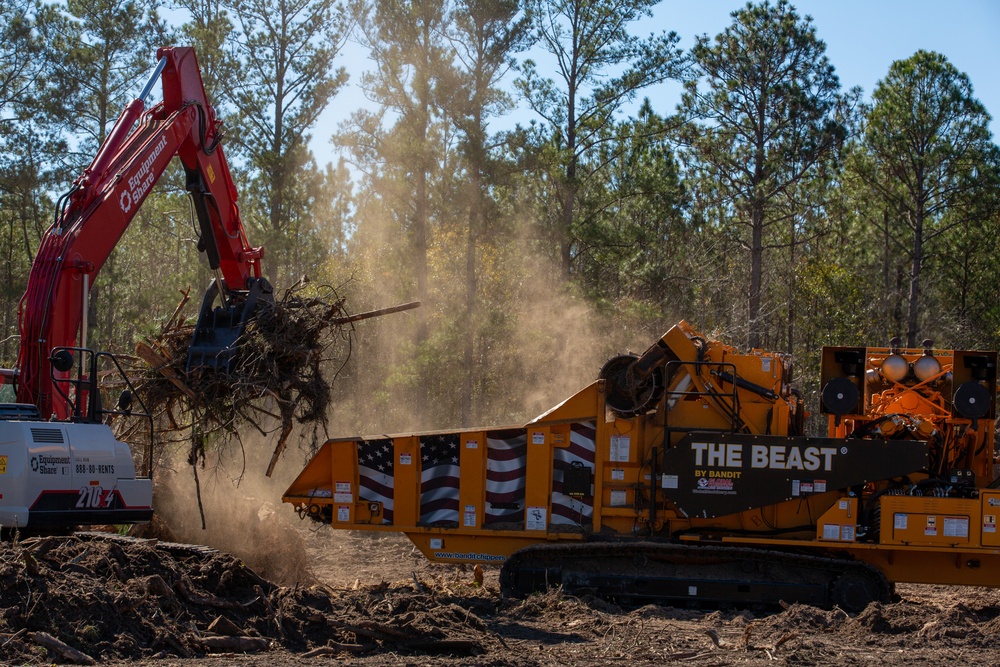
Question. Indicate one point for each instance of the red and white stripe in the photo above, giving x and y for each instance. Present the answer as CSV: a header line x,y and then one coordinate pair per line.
x,y
506,458
376,473
567,510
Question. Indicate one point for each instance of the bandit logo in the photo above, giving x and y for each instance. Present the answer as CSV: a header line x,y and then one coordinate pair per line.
x,y
715,485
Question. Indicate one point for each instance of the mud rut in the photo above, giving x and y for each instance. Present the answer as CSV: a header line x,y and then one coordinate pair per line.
x,y
369,599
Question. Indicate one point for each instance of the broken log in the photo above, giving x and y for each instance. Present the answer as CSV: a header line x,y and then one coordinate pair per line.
x,y
225,627
375,313
187,589
65,650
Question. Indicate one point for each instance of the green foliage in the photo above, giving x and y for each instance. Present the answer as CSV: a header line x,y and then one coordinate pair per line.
x,y
112,43
34,98
927,154
773,119
282,78
634,239
600,66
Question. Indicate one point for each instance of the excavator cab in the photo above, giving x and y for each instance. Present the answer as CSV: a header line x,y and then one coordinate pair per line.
x,y
82,391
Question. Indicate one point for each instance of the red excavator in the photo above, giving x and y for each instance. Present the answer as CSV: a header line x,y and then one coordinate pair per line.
x,y
60,464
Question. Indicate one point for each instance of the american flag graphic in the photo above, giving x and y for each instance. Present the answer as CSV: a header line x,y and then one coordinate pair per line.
x,y
506,455
439,479
566,509
375,473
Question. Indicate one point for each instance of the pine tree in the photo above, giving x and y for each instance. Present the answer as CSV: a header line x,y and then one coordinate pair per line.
x,y
588,40
927,154
285,79
773,117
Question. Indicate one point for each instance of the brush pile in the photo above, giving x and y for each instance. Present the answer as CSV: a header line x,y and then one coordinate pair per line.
x,y
286,362
95,598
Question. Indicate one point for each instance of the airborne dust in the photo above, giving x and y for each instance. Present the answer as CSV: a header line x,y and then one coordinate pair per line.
x,y
534,342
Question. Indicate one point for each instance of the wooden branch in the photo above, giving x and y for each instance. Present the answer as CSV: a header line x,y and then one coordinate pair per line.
x,y
186,588
177,310
335,648
372,631
162,366
222,626
686,655
17,635
375,313
286,430
65,650
179,648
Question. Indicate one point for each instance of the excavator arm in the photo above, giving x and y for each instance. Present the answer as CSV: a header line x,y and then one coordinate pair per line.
x,y
93,215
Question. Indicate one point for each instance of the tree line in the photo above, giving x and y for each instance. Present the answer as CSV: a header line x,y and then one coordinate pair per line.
x,y
770,206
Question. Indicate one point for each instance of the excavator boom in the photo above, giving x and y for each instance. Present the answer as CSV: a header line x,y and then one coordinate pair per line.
x,y
103,201
68,471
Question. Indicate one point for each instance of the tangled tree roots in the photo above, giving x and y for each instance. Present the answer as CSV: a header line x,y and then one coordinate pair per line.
x,y
276,379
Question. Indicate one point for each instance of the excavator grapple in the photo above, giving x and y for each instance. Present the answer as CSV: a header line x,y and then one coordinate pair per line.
x,y
215,344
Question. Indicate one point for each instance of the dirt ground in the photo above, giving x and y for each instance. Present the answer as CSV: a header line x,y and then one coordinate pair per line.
x,y
370,599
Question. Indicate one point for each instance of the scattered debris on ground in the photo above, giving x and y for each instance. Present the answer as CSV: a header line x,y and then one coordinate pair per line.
x,y
91,598
106,599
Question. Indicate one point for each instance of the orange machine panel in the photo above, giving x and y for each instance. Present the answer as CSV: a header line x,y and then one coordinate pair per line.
x,y
344,463
473,468
930,521
991,512
840,522
537,480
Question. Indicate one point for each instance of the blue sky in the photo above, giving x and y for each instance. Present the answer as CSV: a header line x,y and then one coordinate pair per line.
x,y
863,37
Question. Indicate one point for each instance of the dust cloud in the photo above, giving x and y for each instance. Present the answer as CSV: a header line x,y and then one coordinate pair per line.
x,y
535,341
535,338
554,349
243,512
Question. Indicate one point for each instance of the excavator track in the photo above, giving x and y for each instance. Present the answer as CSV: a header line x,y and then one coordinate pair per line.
x,y
634,573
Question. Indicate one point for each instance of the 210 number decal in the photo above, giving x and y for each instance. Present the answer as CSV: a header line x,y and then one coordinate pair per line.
x,y
93,497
